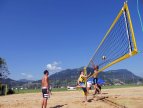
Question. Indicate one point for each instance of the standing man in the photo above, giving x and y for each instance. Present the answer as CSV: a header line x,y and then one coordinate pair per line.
x,y
45,88
82,84
95,80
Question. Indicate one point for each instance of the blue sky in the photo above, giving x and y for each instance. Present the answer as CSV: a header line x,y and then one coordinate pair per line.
x,y
59,34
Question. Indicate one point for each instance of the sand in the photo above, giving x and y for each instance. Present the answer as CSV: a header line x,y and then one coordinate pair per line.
x,y
111,98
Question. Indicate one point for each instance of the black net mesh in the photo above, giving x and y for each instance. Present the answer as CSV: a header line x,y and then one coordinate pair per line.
x,y
116,44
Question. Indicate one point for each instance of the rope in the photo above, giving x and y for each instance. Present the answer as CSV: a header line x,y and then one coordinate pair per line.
x,y
139,15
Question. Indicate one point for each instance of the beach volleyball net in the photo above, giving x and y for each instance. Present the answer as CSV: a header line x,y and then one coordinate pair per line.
x,y
118,43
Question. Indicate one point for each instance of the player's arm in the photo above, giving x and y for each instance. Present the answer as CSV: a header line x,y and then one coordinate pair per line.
x,y
78,81
89,75
47,79
86,76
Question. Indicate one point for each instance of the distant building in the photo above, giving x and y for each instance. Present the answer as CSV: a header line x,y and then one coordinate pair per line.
x,y
139,83
71,88
117,84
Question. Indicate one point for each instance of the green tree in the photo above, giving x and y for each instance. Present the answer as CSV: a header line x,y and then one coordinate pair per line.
x,y
4,72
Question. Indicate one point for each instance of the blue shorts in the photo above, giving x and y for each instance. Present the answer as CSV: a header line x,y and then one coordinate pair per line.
x,y
95,80
82,84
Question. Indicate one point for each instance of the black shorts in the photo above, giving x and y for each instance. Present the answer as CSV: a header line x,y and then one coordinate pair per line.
x,y
95,80
45,93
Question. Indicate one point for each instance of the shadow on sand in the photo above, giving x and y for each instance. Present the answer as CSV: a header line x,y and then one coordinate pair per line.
x,y
90,100
58,106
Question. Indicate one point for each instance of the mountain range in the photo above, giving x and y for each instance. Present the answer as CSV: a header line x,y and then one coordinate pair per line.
x,y
111,77
69,77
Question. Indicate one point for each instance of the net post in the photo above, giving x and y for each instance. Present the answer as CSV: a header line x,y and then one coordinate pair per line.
x,y
85,73
6,89
127,31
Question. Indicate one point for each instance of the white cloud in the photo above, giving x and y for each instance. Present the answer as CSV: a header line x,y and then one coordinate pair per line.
x,y
23,74
27,76
54,67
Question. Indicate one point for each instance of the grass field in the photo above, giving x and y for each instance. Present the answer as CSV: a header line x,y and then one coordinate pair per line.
x,y
65,89
37,90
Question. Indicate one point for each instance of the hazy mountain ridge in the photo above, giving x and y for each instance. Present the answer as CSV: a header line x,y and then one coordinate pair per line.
x,y
70,76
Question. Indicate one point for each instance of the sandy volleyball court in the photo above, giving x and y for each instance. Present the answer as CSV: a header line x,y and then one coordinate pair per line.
x,y
111,98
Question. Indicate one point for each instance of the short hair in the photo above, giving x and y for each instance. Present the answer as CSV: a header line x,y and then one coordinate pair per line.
x,y
81,71
96,67
46,71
